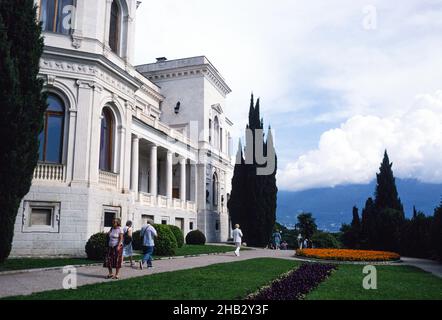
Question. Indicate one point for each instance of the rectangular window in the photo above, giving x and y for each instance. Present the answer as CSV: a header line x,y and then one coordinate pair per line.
x,y
217,225
108,218
41,217
109,214
163,221
179,222
191,225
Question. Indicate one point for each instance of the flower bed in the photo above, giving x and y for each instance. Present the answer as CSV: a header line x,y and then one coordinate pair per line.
x,y
295,284
348,255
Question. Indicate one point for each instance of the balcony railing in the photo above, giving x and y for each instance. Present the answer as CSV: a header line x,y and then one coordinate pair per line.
x,y
163,202
108,179
147,199
50,172
191,206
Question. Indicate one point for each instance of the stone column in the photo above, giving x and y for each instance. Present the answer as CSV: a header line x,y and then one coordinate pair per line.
x,y
135,164
169,178
183,179
154,170
83,129
193,183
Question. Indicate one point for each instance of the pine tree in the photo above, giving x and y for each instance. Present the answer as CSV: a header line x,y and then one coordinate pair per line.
x,y
22,107
386,191
252,203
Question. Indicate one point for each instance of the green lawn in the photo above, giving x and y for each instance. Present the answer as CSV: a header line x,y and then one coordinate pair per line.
x,y
36,263
188,250
231,281
394,283
227,281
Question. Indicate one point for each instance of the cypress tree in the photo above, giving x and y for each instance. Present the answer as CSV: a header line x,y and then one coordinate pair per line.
x,y
252,203
22,108
386,195
368,231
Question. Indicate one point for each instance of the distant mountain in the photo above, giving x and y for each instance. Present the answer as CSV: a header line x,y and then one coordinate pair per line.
x,y
333,206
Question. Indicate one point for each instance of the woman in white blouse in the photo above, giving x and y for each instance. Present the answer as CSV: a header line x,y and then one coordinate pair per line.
x,y
114,255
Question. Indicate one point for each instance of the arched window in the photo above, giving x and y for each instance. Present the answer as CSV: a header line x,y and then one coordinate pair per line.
x,y
215,190
107,140
57,15
115,27
210,131
216,132
51,138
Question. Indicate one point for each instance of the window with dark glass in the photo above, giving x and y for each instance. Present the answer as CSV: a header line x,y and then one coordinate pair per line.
x,y
210,131
56,15
106,140
216,132
215,191
51,138
109,218
115,27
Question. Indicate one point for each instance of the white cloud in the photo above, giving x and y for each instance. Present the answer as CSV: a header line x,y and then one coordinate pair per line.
x,y
314,65
353,152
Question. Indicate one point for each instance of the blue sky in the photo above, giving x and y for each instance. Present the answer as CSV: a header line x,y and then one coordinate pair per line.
x,y
340,81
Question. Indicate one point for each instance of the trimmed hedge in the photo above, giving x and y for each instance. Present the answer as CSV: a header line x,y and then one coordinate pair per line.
x,y
179,236
165,243
196,237
96,246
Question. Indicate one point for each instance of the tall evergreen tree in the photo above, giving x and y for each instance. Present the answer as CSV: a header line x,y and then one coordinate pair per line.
x,y
252,203
369,217
22,108
386,195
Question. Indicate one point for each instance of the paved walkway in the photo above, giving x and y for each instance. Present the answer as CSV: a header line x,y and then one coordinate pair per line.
x,y
426,265
37,281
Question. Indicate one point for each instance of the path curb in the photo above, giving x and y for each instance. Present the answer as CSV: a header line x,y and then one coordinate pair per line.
x,y
12,272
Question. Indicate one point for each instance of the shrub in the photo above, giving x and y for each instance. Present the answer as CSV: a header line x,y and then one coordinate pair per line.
x,y
96,246
195,237
179,236
325,240
165,242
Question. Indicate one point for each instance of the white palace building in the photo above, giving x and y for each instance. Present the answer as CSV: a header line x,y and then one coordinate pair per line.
x,y
133,142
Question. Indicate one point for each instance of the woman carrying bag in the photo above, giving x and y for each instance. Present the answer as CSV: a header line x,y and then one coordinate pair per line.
x,y
114,255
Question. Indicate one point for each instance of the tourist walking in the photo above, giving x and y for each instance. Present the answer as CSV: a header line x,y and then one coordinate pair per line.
x,y
127,242
300,241
306,243
148,234
277,239
237,238
114,254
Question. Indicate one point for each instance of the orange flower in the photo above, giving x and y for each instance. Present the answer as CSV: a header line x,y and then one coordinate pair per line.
x,y
348,255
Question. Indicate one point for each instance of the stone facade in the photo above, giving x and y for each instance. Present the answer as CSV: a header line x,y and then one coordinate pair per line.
x,y
170,155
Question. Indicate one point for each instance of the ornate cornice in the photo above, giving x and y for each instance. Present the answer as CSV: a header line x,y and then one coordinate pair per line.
x,y
193,71
99,73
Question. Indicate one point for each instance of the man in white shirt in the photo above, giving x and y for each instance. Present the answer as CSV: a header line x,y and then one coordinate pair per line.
x,y
237,238
148,233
